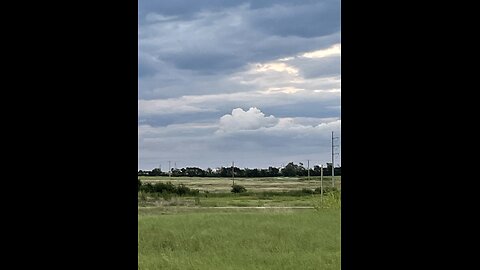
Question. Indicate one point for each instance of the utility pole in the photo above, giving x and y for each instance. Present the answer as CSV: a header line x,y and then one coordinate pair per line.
x,y
233,173
169,169
321,183
333,160
308,168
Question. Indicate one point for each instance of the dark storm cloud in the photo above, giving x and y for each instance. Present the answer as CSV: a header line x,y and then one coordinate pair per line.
x,y
205,62
186,8
306,20
233,34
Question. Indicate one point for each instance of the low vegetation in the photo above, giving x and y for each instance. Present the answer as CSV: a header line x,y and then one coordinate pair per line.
x,y
166,188
300,239
238,189
266,223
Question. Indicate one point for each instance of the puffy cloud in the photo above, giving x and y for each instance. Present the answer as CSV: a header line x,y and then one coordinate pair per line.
x,y
246,120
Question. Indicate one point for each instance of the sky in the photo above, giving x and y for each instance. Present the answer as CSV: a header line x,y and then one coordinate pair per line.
x,y
255,82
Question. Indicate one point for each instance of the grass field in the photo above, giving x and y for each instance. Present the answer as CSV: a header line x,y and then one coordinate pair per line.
x,y
247,200
287,239
192,232
251,184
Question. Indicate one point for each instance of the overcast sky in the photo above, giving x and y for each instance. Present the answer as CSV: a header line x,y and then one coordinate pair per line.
x,y
255,82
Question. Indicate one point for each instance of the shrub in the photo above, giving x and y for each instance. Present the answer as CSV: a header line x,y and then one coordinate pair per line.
x,y
238,189
182,190
166,196
148,187
139,185
167,189
161,187
194,192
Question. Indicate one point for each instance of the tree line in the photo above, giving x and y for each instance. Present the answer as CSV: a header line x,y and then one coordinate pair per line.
x,y
290,170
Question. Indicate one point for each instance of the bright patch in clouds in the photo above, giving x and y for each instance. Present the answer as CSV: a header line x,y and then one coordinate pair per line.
x,y
278,67
286,90
332,51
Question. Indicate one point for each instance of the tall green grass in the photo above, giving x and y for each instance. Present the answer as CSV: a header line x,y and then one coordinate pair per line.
x,y
283,239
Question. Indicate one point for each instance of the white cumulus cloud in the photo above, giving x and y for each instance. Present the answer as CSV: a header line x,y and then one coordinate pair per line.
x,y
251,119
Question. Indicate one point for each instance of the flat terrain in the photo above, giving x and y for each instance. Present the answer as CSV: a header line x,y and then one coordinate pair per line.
x,y
266,228
260,239
249,200
251,184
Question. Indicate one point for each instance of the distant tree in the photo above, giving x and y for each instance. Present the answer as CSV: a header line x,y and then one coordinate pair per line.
x,y
156,172
224,172
289,170
316,171
272,171
338,171
328,169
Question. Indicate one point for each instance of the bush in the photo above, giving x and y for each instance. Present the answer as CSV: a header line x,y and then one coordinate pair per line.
x,y
167,189
238,189
166,196
148,187
194,192
161,187
139,185
182,190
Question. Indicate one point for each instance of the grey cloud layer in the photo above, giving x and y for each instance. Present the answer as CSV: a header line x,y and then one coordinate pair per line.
x,y
199,60
208,44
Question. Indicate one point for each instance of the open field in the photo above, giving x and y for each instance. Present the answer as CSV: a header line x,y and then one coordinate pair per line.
x,y
221,230
244,200
300,239
251,184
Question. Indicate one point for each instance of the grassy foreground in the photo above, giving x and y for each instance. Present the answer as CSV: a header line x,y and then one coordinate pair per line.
x,y
259,239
